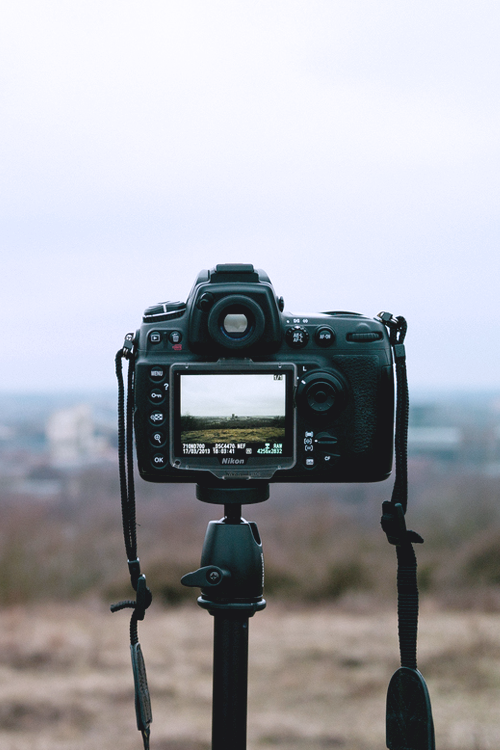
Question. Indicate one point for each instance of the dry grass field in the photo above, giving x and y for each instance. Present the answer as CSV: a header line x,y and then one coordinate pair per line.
x,y
317,677
321,654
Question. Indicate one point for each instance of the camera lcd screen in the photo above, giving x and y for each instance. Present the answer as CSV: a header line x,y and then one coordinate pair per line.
x,y
234,418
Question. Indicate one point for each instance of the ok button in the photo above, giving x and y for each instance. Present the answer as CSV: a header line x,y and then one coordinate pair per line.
x,y
159,460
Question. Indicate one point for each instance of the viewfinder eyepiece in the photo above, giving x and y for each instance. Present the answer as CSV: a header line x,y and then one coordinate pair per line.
x,y
236,322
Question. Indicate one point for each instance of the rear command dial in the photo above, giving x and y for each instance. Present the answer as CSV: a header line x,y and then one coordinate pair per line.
x,y
321,393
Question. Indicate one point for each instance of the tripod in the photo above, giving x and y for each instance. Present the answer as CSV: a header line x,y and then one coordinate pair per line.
x,y
231,578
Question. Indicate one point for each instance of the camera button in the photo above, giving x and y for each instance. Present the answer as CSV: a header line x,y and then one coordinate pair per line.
x,y
205,303
297,337
158,438
324,336
157,395
159,461
157,373
155,337
175,337
157,417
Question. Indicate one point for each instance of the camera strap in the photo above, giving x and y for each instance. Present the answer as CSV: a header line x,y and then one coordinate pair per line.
x,y
409,723
138,580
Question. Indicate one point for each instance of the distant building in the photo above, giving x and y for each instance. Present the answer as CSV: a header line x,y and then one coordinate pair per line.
x,y
72,437
436,442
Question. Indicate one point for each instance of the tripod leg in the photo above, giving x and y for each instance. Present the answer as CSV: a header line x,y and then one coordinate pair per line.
x,y
231,579
230,681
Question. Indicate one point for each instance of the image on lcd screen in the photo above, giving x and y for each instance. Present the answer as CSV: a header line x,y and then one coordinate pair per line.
x,y
233,414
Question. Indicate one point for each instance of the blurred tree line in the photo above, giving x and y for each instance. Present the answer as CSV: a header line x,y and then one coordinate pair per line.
x,y
321,543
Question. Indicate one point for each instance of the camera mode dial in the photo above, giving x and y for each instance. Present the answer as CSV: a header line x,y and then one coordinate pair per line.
x,y
322,393
297,337
164,311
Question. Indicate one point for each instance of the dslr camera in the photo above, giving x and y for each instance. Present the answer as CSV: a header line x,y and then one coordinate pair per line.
x,y
229,388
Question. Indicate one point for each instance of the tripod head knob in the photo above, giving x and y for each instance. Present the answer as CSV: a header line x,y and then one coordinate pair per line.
x,y
207,577
231,575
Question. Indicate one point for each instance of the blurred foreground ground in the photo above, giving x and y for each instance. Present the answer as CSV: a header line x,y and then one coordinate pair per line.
x,y
318,677
321,654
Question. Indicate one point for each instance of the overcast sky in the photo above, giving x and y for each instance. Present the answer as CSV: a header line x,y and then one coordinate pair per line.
x,y
350,148
223,395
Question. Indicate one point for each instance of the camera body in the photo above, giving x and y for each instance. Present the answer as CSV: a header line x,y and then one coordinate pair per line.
x,y
230,388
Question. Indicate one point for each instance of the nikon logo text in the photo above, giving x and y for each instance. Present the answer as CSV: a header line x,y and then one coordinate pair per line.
x,y
233,461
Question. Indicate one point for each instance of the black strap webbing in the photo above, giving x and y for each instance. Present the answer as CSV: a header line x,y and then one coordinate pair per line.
x,y
409,723
138,580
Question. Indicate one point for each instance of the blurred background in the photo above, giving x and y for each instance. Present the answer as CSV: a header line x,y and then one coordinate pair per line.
x,y
349,149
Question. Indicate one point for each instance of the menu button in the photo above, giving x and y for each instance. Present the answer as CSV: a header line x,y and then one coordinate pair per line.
x,y
157,373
